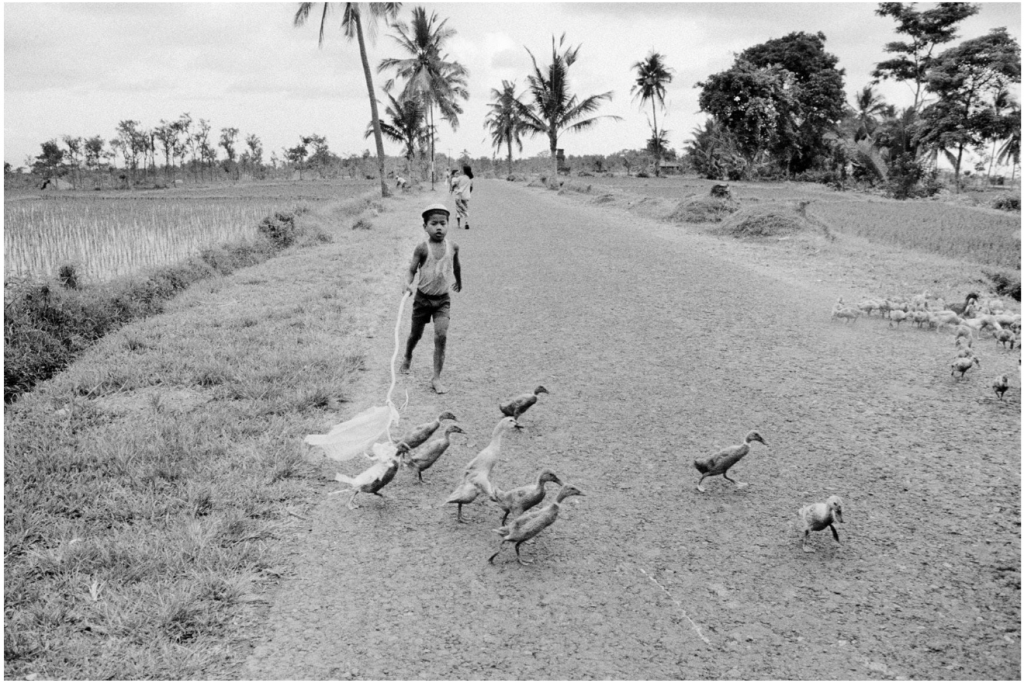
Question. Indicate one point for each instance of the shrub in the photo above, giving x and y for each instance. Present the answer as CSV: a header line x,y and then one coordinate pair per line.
x,y
1004,284
1007,202
279,229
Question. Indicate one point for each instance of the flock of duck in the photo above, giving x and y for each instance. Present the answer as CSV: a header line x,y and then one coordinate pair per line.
x,y
419,449
972,317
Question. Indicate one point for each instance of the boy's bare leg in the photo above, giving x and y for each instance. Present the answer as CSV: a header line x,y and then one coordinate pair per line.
x,y
415,332
440,341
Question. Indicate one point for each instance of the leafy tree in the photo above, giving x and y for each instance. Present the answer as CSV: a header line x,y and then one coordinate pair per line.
x,y
50,163
755,104
926,29
228,137
354,15
253,156
7,168
965,78
1000,102
817,91
185,144
555,109
167,134
201,145
93,150
132,144
652,75
505,119
429,75
74,154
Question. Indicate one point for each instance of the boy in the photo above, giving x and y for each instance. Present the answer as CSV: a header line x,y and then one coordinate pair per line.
x,y
437,261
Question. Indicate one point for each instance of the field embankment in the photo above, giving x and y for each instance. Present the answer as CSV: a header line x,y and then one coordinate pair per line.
x,y
144,486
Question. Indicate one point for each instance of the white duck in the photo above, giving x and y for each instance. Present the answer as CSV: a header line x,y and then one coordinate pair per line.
x,y
818,516
476,478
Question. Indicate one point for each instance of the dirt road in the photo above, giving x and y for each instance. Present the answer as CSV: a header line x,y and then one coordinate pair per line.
x,y
656,350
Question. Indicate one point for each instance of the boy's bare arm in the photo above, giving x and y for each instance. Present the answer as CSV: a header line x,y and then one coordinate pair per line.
x,y
419,255
456,269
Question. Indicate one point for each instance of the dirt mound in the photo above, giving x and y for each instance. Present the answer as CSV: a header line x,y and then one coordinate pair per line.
x,y
704,209
769,220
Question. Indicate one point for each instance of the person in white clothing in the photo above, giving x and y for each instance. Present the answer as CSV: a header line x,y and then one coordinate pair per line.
x,y
436,261
463,189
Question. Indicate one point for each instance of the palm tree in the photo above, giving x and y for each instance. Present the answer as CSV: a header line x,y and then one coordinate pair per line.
x,y
505,120
428,73
1001,101
554,108
407,126
352,19
1010,151
870,106
651,79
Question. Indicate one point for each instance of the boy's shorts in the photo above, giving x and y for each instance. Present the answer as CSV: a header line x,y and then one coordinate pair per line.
x,y
426,308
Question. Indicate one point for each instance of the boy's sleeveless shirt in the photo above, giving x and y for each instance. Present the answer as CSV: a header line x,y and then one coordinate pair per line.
x,y
437,274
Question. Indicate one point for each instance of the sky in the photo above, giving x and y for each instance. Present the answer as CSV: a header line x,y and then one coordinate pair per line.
x,y
79,69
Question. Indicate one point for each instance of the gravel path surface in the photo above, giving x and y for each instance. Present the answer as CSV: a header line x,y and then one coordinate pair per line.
x,y
656,350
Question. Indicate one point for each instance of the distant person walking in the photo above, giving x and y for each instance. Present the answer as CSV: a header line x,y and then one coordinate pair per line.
x,y
462,188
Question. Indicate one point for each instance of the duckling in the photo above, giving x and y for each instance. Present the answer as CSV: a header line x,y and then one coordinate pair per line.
x,y
418,435
515,407
1001,384
1003,336
817,516
526,526
517,501
477,476
433,450
720,462
897,316
375,477
964,364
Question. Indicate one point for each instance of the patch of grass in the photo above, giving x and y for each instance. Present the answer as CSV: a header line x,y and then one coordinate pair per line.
x,y
765,221
362,224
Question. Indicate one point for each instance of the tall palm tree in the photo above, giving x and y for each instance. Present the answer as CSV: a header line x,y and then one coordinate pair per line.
x,y
1000,102
354,16
407,126
651,78
505,120
555,108
428,73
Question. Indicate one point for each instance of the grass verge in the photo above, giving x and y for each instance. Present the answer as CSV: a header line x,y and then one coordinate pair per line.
x,y
145,485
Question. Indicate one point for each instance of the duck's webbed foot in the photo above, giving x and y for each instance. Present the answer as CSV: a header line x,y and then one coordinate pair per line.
x,y
700,485
739,484
491,558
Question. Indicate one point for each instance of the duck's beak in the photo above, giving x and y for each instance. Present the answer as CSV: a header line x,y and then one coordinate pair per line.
x,y
838,515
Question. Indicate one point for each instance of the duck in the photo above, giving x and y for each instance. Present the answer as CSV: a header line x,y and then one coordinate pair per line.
x,y
526,526
1001,384
961,309
416,436
818,516
1003,336
514,407
720,462
428,455
517,501
373,478
964,364
476,478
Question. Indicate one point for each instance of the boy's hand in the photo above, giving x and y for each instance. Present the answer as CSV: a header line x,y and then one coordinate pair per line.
x,y
409,289
457,287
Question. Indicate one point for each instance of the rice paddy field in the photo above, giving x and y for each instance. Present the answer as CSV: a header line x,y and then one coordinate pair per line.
x,y
956,230
111,235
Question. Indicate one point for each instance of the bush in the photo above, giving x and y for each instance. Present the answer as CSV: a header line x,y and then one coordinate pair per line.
x,y
279,229
1007,202
1004,284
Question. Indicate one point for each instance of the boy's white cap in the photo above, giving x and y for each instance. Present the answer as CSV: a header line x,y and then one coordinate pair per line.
x,y
435,207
